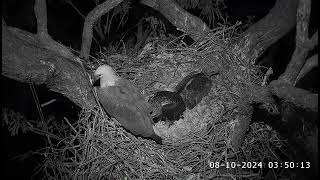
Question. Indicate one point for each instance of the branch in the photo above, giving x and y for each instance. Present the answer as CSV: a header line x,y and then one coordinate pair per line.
x,y
25,59
284,86
297,96
97,29
303,44
44,38
278,22
180,18
303,15
92,17
307,67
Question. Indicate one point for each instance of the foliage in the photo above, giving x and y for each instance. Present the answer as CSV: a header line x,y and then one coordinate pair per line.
x,y
49,127
15,121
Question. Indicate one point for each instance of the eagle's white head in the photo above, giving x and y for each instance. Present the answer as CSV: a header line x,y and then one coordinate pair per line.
x,y
107,76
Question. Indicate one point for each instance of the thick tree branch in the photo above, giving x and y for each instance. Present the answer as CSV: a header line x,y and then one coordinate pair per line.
x,y
39,59
180,18
303,44
91,18
284,86
25,60
297,96
40,9
278,22
303,15
44,38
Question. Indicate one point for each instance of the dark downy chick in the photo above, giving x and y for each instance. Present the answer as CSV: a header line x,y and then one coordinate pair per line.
x,y
167,106
194,87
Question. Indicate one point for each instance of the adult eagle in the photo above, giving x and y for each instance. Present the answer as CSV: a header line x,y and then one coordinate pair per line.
x,y
123,101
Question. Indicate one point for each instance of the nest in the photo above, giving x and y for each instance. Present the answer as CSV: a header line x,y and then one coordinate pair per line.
x,y
195,147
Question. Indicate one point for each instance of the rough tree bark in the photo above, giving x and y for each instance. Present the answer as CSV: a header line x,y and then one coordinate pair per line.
x,y
183,20
37,58
25,59
248,48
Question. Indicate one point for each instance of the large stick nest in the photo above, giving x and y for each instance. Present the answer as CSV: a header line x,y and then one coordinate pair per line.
x,y
99,148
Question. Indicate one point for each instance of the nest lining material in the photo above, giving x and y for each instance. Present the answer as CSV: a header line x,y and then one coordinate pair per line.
x,y
106,150
194,120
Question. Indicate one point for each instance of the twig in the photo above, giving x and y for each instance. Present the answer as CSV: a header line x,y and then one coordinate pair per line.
x,y
48,102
